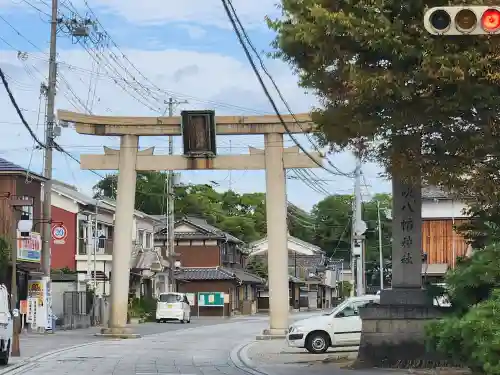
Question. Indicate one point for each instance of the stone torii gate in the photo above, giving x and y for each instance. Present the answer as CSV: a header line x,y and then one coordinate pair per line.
x,y
128,159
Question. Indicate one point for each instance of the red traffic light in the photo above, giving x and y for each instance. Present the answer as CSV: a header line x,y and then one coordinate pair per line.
x,y
490,21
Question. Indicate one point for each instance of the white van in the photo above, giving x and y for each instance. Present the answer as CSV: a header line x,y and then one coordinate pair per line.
x,y
341,327
173,306
6,326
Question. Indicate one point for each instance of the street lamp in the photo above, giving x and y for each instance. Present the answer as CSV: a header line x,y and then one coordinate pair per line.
x,y
25,225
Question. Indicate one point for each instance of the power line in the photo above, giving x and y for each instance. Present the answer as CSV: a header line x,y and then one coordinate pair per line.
x,y
233,18
264,69
18,110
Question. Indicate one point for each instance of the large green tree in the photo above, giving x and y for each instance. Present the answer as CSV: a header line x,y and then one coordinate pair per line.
x,y
379,75
328,225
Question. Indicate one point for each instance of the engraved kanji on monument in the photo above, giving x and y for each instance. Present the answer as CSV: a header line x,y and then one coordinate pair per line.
x,y
407,234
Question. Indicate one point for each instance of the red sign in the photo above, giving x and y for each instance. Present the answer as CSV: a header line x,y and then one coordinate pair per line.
x,y
59,233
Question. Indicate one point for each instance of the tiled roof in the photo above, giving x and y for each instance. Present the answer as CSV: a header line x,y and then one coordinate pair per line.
x,y
73,193
245,276
203,274
205,230
434,192
7,166
217,273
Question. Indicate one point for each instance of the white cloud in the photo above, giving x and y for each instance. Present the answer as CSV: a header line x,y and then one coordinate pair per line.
x,y
203,12
207,80
194,32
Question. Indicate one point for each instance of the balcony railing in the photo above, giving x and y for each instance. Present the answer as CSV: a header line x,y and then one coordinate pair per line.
x,y
105,246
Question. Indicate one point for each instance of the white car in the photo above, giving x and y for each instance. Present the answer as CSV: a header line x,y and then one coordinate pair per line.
x,y
6,326
339,328
173,306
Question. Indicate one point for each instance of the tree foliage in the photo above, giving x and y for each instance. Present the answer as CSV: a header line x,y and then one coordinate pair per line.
x,y
470,335
258,267
472,339
379,75
328,225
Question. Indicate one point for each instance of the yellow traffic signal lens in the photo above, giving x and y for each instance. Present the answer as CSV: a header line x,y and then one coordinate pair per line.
x,y
466,20
491,20
440,20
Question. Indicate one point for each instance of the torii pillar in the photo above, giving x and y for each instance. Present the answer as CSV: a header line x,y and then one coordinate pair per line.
x,y
274,159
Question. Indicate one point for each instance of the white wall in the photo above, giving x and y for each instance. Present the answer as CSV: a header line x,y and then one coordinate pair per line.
x,y
101,288
442,209
64,203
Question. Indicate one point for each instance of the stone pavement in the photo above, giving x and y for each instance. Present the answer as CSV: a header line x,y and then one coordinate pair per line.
x,y
202,350
274,357
33,344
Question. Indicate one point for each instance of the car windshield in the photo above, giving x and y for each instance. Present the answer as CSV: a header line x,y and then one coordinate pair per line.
x,y
338,308
170,298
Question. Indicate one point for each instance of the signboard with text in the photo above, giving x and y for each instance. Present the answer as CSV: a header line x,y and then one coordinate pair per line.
x,y
211,299
29,249
59,234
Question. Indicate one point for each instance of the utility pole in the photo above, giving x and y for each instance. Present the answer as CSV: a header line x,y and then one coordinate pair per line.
x,y
231,173
359,228
380,248
171,200
49,142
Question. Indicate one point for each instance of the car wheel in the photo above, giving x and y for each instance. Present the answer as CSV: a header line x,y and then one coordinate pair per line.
x,y
317,342
158,320
4,357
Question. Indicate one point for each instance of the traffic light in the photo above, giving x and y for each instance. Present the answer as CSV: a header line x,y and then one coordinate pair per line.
x,y
463,20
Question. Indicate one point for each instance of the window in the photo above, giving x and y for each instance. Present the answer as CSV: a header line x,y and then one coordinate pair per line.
x,y
352,309
149,237
170,298
140,238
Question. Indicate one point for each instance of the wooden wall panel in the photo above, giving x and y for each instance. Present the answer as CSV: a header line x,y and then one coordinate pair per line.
x,y
438,238
7,219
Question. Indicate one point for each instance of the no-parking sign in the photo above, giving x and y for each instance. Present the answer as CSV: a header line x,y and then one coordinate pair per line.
x,y
59,234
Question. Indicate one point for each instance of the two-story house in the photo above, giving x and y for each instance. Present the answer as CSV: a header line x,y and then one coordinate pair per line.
x,y
212,261
87,245
310,285
17,184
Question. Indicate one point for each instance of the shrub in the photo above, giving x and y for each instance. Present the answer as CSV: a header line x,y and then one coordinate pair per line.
x,y
472,339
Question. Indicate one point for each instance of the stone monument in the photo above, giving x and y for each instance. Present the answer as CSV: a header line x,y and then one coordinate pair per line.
x,y
393,332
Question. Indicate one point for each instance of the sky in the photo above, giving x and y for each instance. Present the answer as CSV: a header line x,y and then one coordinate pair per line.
x,y
140,54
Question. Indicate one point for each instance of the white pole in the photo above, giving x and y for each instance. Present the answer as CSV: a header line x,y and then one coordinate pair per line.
x,y
360,287
380,248
96,244
89,246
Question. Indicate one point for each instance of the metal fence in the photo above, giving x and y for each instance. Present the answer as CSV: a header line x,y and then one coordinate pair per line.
x,y
77,307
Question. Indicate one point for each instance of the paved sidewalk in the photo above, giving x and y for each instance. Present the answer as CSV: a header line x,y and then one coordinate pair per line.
x,y
274,357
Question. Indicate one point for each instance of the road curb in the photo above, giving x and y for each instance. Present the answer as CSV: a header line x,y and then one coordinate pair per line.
x,y
240,359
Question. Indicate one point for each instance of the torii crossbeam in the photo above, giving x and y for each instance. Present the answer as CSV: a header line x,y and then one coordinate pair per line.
x,y
128,159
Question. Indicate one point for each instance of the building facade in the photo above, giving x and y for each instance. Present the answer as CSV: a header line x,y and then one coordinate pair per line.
x,y
311,284
18,184
87,247
211,260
